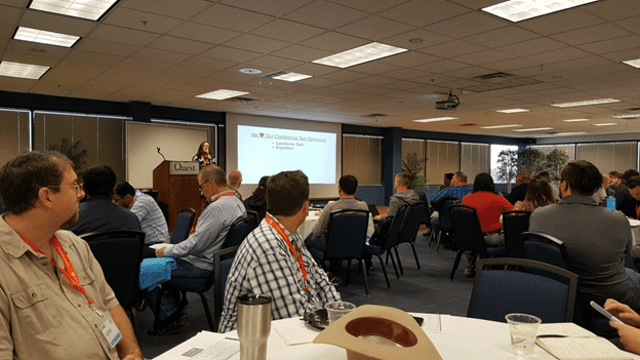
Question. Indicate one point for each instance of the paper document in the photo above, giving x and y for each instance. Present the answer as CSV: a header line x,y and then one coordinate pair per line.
x,y
205,345
568,341
160,246
434,322
295,332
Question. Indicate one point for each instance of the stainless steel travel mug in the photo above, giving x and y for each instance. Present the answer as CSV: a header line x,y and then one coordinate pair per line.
x,y
254,325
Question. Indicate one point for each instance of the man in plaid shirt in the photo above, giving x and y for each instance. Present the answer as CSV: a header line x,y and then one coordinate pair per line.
x,y
273,259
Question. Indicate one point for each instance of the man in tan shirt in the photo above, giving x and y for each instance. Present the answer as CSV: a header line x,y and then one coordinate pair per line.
x,y
54,300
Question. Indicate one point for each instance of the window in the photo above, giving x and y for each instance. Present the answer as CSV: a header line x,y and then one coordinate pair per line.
x,y
474,159
610,156
442,157
362,157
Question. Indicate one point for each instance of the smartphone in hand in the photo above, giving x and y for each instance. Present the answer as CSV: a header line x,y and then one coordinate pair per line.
x,y
604,312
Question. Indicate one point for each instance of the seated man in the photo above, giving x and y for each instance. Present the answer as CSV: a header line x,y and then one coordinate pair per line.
x,y
194,256
42,316
596,238
630,205
272,260
403,195
347,187
235,180
458,190
151,218
99,213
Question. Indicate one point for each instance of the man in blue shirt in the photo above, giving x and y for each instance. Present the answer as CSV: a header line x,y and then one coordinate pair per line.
x,y
458,190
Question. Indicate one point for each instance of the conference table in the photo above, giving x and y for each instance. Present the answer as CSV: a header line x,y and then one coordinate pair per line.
x,y
455,338
307,226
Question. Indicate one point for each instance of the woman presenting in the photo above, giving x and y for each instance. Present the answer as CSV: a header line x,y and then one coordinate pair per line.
x,y
202,156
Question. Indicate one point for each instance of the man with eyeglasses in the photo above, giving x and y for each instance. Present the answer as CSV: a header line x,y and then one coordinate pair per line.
x,y
194,256
55,302
98,212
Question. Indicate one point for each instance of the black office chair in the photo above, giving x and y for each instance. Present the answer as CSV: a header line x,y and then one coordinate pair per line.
x,y
346,238
252,220
546,248
237,232
183,225
514,224
385,240
409,229
222,262
498,292
119,253
445,228
469,236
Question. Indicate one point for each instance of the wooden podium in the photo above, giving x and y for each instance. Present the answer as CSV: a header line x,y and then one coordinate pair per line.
x,y
177,185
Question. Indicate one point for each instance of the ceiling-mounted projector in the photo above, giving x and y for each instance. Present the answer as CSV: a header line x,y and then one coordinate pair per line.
x,y
451,103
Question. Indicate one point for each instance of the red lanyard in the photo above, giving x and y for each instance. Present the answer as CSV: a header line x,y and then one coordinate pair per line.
x,y
68,271
637,211
225,194
296,254
205,160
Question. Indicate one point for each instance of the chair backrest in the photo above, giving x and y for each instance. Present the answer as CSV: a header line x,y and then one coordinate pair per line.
x,y
426,216
183,225
119,253
444,214
237,232
546,248
252,220
514,224
222,262
391,238
346,234
498,292
412,221
467,229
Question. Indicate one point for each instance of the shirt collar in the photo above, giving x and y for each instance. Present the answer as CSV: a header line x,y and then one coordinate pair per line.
x,y
295,237
218,195
578,199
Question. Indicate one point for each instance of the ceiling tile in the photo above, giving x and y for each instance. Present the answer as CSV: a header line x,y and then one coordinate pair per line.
x,y
286,30
180,45
442,66
334,42
125,36
374,28
562,21
256,43
403,85
409,59
313,69
375,80
466,25
301,53
231,54
274,62
591,34
186,10
470,72
623,55
503,36
345,75
14,3
532,46
581,63
106,47
270,7
370,6
231,18
511,64
622,9
9,15
139,20
632,24
611,45
171,57
204,33
325,15
93,57
56,23
188,71
421,39
208,63
143,64
35,49
483,57
452,48
422,13
374,68
405,74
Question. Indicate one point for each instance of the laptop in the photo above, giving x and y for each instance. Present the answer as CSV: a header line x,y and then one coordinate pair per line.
x,y
373,209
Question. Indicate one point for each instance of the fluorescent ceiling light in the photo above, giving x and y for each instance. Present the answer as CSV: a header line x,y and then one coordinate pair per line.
x,y
569,133
586,103
512,111
518,10
292,77
436,119
84,9
576,120
25,71
535,129
628,116
635,63
359,55
221,94
605,124
500,126
45,37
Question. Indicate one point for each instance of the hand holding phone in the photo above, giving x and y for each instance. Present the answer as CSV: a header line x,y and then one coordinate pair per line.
x,y
604,312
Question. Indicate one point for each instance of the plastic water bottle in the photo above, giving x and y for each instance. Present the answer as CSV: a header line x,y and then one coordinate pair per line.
x,y
611,203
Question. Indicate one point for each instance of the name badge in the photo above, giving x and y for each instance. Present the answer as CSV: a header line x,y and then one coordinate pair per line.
x,y
110,332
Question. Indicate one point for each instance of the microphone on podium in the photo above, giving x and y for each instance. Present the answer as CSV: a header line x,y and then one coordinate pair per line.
x,y
161,154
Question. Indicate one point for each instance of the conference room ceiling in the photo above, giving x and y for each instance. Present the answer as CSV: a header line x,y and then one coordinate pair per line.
x,y
168,51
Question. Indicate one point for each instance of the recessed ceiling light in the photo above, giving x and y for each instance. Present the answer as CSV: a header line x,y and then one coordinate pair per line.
x,y
19,70
290,76
436,119
518,10
265,83
500,126
534,129
512,111
251,71
415,40
605,124
586,103
576,120
221,94
85,9
45,37
635,63
359,55
628,116
569,133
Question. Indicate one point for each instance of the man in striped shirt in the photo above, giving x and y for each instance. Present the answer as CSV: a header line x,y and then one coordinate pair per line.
x,y
273,259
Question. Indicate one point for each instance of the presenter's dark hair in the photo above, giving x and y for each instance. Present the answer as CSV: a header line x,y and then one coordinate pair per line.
x,y
22,178
200,151
287,192
583,177
123,189
484,182
348,184
215,174
99,180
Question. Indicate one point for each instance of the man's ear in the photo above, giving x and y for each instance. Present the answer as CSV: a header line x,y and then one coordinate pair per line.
x,y
44,197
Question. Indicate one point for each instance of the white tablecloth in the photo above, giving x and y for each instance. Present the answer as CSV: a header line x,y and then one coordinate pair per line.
x,y
307,226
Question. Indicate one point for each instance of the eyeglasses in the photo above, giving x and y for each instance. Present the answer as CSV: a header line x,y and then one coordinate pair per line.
x,y
201,185
78,187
